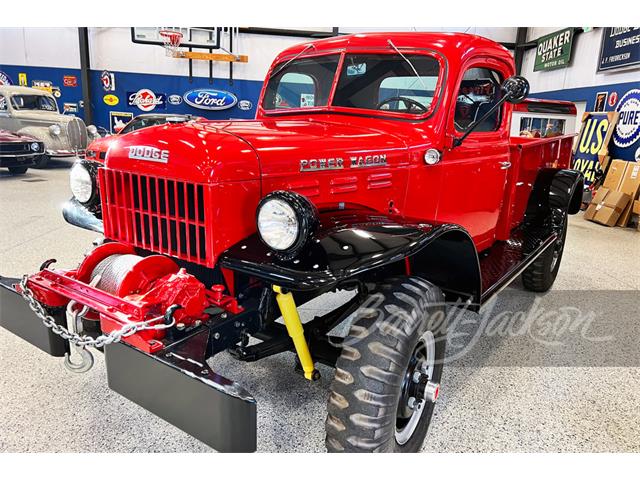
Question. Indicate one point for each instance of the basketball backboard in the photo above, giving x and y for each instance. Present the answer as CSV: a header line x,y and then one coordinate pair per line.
x,y
194,37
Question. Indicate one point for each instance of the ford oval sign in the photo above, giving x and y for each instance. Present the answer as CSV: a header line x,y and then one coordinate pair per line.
x,y
209,99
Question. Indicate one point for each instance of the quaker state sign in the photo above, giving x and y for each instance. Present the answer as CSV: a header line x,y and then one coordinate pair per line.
x,y
554,50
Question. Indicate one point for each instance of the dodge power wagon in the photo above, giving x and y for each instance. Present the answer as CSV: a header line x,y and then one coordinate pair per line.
x,y
379,164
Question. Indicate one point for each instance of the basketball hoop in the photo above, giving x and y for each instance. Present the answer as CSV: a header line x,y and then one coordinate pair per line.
x,y
171,39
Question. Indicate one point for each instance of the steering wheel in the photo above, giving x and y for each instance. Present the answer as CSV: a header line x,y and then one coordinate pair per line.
x,y
409,102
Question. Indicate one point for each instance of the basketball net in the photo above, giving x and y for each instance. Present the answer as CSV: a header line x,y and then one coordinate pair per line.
x,y
171,39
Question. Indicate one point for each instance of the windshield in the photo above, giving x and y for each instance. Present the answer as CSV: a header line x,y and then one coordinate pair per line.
x,y
143,122
302,83
34,102
383,82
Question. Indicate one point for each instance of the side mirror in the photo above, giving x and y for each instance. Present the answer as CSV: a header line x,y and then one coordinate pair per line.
x,y
515,89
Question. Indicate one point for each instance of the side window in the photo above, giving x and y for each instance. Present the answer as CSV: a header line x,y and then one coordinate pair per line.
x,y
479,91
296,90
3,104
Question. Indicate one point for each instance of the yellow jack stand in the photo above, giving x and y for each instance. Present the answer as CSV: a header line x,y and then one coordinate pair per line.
x,y
296,332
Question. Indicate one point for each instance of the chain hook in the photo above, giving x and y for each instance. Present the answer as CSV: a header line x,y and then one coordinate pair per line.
x,y
86,363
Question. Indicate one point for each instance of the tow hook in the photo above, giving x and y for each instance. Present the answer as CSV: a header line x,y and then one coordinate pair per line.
x,y
86,362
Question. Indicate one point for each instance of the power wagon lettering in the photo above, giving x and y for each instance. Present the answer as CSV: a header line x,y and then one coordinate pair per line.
x,y
316,164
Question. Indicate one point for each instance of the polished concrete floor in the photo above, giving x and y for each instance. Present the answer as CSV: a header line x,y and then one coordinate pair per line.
x,y
493,403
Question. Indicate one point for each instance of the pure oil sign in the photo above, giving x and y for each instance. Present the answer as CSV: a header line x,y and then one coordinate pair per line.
x,y
592,149
554,50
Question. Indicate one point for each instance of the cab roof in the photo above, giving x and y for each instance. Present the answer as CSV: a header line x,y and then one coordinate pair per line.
x,y
445,42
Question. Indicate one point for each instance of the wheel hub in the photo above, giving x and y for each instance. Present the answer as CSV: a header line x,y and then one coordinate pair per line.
x,y
418,390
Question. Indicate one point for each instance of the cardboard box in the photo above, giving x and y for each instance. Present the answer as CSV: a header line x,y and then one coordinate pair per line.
x,y
630,185
615,174
596,200
607,206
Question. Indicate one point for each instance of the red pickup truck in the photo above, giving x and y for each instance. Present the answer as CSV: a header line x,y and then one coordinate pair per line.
x,y
377,163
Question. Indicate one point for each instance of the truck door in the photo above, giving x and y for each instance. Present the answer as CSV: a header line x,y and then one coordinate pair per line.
x,y
475,172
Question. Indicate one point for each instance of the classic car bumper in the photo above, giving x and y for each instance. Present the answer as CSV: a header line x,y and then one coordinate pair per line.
x,y
77,214
174,384
65,153
21,160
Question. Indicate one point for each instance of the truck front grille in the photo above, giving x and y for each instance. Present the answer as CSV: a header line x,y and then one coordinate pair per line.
x,y
77,133
157,214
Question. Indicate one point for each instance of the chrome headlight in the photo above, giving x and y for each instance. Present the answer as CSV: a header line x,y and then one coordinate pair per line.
x,y
35,146
92,130
55,130
285,221
81,183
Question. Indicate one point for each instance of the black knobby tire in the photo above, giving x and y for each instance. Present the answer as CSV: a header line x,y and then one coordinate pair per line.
x,y
42,161
18,170
371,372
542,273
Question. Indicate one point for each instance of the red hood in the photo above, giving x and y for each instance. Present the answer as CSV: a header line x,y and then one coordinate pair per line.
x,y
244,150
100,145
9,137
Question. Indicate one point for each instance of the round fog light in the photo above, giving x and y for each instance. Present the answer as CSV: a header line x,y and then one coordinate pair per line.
x,y
35,147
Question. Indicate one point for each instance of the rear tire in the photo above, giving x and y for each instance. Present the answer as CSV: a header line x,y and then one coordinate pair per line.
x,y
18,170
541,274
368,407
42,161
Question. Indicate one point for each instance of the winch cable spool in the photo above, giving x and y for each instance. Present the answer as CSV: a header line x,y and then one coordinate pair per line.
x,y
113,270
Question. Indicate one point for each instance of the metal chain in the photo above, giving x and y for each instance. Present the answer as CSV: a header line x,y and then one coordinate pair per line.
x,y
84,341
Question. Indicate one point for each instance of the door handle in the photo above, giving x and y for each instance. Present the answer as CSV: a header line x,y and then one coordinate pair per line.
x,y
505,165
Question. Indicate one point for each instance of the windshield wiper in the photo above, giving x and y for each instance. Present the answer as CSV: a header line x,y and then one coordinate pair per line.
x,y
408,62
280,68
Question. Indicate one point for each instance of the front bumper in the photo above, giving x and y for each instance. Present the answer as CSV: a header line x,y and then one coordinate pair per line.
x,y
21,160
62,153
77,214
174,383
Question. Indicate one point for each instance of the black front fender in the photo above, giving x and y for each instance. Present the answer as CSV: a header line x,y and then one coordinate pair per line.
x,y
349,243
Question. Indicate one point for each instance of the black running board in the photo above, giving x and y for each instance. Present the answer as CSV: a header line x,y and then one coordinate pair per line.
x,y
505,261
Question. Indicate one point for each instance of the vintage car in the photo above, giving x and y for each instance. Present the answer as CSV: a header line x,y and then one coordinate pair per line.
x,y
385,169
35,112
97,150
18,152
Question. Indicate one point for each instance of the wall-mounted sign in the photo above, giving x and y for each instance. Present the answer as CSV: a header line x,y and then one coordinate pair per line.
x,y
620,48
600,102
70,81
110,99
47,86
554,50
108,80
628,128
210,99
174,99
146,100
22,80
117,120
70,107
245,105
5,79
591,151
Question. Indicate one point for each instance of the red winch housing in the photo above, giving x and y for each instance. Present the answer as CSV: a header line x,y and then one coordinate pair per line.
x,y
124,288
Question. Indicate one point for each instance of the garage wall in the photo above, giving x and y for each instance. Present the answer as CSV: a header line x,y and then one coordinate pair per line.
x,y
580,82
51,54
